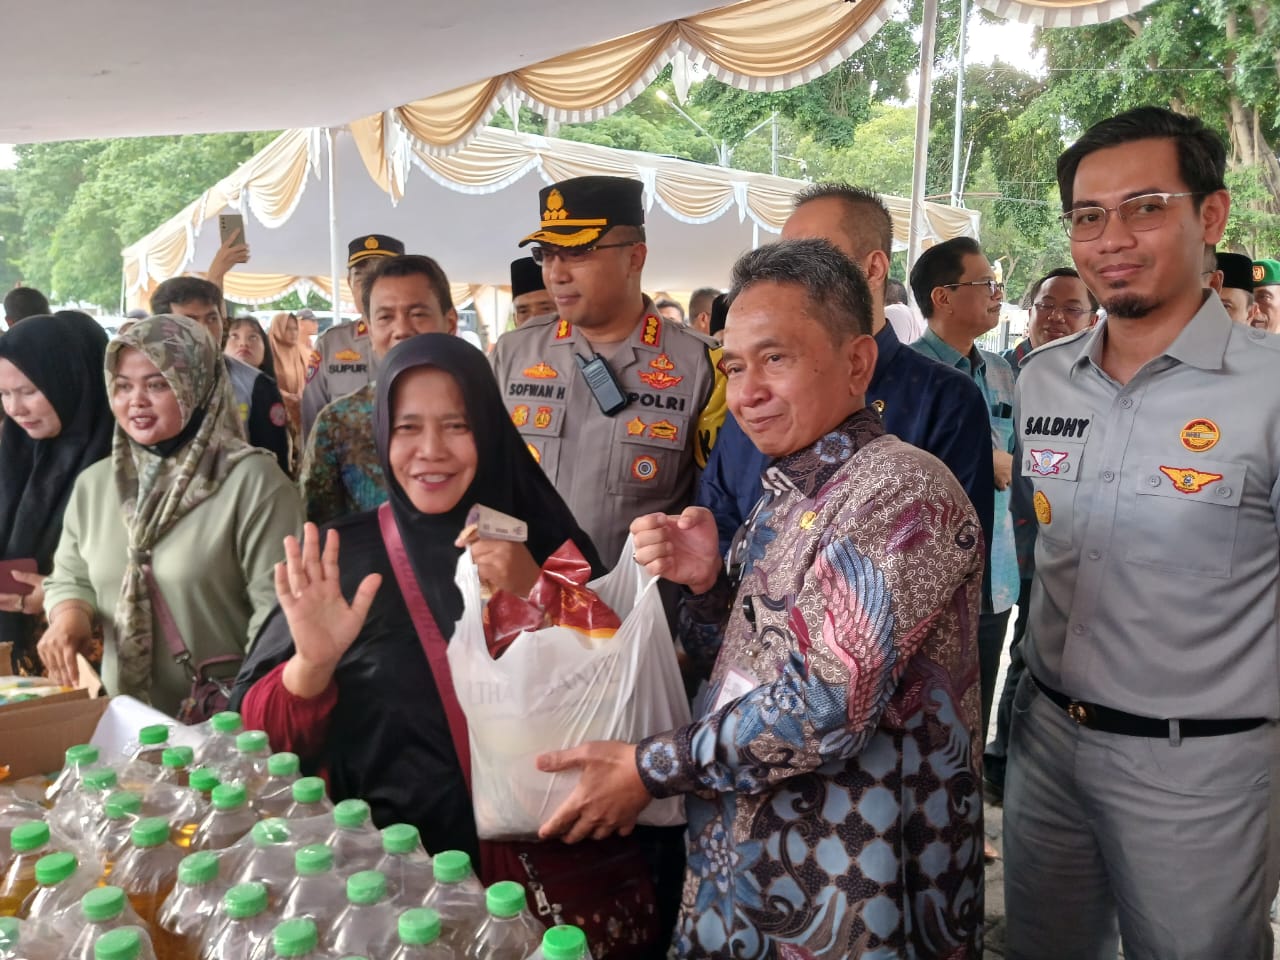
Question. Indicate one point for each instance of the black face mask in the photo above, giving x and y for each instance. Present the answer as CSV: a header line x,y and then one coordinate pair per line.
x,y
167,448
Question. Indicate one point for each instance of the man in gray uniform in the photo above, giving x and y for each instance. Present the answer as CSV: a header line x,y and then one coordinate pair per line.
x,y
342,360
619,405
1141,793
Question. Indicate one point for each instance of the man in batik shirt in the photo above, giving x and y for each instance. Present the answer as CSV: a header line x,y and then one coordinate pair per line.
x,y
832,778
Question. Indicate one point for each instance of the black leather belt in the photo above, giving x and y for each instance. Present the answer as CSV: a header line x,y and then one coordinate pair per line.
x,y
1097,717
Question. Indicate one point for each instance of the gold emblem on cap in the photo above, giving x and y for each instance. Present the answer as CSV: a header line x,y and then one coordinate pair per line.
x,y
371,243
1259,273
555,207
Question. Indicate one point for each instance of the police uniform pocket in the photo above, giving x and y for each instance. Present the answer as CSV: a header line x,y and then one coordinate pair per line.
x,y
645,459
1054,467
1186,515
540,423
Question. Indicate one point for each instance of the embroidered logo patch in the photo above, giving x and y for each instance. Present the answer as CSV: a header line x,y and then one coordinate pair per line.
x,y
1044,512
520,415
1259,273
1048,463
1199,435
535,453
644,468
660,379
1187,480
652,335
542,419
277,414
541,371
662,362
563,330
664,430
348,356
636,427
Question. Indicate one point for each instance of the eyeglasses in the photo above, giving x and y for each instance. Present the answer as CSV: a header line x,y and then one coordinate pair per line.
x,y
1138,214
993,286
543,255
1071,313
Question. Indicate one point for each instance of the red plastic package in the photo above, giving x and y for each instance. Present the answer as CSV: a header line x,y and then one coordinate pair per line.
x,y
559,598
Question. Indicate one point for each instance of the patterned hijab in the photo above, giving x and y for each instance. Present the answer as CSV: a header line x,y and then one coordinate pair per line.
x,y
161,484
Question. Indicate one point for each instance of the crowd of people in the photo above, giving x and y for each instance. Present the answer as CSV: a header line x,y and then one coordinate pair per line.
x,y
845,497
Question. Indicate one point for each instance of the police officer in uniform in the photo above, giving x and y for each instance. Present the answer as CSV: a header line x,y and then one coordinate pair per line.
x,y
619,405
1142,798
342,358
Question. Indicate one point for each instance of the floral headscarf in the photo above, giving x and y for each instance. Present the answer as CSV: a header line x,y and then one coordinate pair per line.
x,y
160,485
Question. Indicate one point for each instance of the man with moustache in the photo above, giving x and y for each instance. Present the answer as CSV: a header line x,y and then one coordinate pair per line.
x,y
1141,800
1234,276
1266,295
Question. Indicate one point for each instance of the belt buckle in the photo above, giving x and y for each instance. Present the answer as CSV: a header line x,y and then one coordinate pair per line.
x,y
1079,712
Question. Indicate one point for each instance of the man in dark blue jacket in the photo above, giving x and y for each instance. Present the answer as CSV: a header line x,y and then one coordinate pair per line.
x,y
922,401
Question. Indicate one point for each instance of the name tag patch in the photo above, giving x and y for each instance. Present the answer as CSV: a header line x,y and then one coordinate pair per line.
x,y
1068,427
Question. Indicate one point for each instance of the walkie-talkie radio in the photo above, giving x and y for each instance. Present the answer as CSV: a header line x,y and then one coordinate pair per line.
x,y
603,383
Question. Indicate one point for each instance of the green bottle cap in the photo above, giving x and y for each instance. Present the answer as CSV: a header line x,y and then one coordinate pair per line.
x,y
153,735
245,900
283,764
177,757
81,754
226,722
350,814
366,887
419,926
29,836
505,898
203,779
314,859
308,790
123,803
295,938
269,832
564,942
451,866
53,868
197,869
149,832
229,796
401,838
122,944
8,933
104,903
252,741
98,781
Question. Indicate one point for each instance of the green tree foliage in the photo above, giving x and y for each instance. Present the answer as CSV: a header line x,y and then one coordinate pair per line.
x,y
82,201
10,231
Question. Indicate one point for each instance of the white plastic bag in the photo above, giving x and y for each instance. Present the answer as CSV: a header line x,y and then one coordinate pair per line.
x,y
549,692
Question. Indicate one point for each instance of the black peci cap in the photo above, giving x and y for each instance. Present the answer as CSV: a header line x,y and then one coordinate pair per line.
x,y
526,277
1237,271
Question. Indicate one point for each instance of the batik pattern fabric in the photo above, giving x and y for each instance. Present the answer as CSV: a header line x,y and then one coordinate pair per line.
x,y
340,470
832,785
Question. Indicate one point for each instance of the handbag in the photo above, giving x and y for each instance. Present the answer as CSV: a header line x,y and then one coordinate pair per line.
x,y
211,679
604,887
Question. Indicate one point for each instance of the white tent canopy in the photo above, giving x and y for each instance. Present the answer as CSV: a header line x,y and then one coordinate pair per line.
x,y
84,68
469,210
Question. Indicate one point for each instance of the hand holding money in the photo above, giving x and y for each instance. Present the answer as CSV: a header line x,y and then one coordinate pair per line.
x,y
497,544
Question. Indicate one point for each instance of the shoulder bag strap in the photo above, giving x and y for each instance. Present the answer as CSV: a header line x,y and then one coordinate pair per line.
x,y
429,635
168,626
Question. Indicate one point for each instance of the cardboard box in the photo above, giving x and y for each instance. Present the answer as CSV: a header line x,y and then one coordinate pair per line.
x,y
35,735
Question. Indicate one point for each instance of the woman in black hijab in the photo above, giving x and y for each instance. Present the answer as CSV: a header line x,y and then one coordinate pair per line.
x,y
364,706
57,423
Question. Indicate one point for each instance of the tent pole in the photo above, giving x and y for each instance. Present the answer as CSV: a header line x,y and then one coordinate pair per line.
x,y
957,181
928,38
335,247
